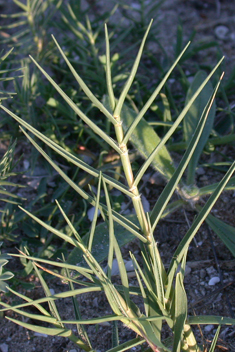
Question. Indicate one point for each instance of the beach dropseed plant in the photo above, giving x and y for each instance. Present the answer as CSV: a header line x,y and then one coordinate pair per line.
x,y
162,290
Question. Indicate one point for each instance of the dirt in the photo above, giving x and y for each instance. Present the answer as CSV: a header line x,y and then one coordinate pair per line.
x,y
207,258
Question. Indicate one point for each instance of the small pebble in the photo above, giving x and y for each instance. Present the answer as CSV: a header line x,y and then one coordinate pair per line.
x,y
91,213
214,280
200,171
136,6
209,328
187,270
221,32
129,265
95,302
26,164
210,270
202,273
203,291
4,347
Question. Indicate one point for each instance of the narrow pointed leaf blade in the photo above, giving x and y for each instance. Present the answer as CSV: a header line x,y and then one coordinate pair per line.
x,y
65,154
210,188
215,339
180,312
100,247
84,87
152,98
199,220
192,117
43,330
90,123
225,232
108,71
161,143
127,345
168,191
210,319
118,108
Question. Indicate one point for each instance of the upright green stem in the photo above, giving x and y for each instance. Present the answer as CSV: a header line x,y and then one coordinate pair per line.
x,y
130,179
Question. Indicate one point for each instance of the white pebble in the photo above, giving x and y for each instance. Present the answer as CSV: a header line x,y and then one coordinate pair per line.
x,y
95,302
214,280
129,265
209,328
221,32
136,6
4,347
91,213
26,164
187,270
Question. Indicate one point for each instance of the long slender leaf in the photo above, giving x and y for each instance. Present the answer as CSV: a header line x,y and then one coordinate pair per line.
x,y
108,71
116,216
161,143
225,232
192,117
84,87
121,264
42,330
118,108
55,297
215,339
210,319
197,223
94,220
168,191
127,345
135,122
180,312
91,124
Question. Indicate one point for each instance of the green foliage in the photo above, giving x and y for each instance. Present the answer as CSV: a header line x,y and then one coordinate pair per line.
x,y
4,275
6,166
110,125
163,292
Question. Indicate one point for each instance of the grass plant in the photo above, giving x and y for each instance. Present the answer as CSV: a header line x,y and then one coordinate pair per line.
x,y
162,291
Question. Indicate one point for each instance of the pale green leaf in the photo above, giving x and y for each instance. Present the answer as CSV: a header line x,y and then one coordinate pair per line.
x,y
168,170
43,330
215,339
225,232
135,122
192,118
118,108
198,221
180,312
56,296
168,191
90,123
84,87
210,319
127,345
